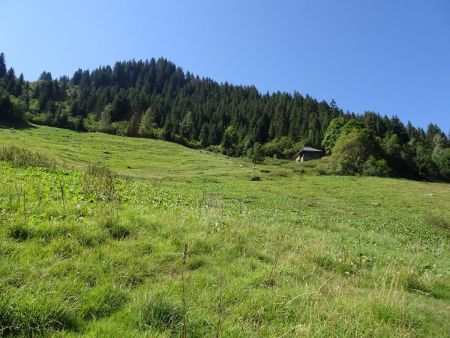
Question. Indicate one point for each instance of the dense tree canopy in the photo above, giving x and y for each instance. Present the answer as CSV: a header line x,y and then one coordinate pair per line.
x,y
154,98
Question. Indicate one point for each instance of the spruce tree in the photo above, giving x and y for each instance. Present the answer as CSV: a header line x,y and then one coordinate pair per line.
x,y
6,107
2,66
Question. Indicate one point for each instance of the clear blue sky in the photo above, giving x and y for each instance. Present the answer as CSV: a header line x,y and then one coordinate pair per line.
x,y
389,56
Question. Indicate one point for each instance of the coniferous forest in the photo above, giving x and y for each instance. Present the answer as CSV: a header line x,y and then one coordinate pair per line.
x,y
157,99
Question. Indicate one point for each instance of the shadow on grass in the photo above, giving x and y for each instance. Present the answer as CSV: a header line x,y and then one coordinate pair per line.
x,y
19,125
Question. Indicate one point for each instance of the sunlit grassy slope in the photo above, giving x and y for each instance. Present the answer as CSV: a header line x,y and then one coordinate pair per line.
x,y
295,254
131,156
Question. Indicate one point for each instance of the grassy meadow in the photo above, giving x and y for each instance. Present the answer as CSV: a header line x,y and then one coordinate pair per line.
x,y
108,236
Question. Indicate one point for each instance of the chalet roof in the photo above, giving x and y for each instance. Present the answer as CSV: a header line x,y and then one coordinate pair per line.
x,y
309,149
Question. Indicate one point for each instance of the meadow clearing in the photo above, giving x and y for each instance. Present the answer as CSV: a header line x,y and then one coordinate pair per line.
x,y
113,236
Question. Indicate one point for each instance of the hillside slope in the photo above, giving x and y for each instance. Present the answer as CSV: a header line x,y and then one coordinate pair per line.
x,y
292,255
157,99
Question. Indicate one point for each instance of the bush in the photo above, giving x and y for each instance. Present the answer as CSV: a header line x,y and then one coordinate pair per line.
x,y
256,153
282,147
351,152
444,164
374,167
9,109
332,133
119,128
323,169
230,141
42,118
215,149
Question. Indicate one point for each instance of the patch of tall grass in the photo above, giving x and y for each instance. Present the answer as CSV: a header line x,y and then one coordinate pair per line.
x,y
22,157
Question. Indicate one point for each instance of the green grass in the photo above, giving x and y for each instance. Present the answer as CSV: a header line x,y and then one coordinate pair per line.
x,y
295,254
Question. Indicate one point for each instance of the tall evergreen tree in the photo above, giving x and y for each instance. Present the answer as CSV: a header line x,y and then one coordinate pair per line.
x,y
2,66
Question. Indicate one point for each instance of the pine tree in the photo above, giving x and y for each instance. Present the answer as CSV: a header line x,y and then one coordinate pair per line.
x,y
76,78
10,80
6,107
2,66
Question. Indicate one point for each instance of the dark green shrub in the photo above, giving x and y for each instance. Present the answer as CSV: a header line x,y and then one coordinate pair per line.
x,y
352,151
282,147
323,169
374,167
256,153
444,164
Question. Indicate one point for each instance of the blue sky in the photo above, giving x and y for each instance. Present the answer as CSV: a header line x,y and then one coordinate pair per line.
x,y
389,56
